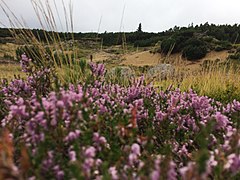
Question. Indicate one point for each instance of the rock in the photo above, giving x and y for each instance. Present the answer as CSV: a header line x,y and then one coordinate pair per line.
x,y
121,71
160,72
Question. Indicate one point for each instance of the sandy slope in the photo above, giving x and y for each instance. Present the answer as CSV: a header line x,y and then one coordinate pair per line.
x,y
141,59
145,58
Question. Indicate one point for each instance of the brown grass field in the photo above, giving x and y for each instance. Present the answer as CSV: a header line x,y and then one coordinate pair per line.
x,y
190,73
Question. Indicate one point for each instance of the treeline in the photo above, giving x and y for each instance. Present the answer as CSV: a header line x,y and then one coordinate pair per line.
x,y
228,33
188,40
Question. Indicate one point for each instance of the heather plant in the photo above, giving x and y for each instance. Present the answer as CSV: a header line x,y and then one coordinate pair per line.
x,y
100,130
86,127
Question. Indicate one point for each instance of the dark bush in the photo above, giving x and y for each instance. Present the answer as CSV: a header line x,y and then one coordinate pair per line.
x,y
208,39
146,42
223,45
219,48
235,56
194,49
168,45
195,42
238,50
194,52
177,42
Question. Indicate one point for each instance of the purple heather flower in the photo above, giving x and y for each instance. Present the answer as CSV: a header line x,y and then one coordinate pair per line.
x,y
113,172
184,170
31,178
155,175
222,120
60,104
25,61
183,151
90,152
136,149
98,162
87,165
58,172
72,156
97,69
99,140
134,155
233,163
60,175
172,174
236,105
48,162
160,116
72,136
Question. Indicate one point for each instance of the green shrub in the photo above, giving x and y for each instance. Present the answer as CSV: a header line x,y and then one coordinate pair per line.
x,y
195,42
208,39
223,45
167,45
146,42
219,48
194,52
178,42
235,56
194,49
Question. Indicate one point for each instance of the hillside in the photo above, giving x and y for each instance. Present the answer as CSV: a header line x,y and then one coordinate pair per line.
x,y
191,43
146,58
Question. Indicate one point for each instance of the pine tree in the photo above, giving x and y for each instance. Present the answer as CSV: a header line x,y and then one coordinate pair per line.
x,y
139,29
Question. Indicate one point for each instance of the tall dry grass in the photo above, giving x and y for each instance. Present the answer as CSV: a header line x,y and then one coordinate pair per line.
x,y
217,80
63,55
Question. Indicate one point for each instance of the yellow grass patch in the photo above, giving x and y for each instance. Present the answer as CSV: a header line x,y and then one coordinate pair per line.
x,y
7,71
9,49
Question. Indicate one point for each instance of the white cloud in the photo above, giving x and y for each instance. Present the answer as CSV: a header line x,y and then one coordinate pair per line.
x,y
155,15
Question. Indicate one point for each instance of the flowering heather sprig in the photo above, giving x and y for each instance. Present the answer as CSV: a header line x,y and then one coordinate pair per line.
x,y
99,141
72,136
113,172
172,174
72,156
134,155
91,163
25,63
97,69
233,163
37,83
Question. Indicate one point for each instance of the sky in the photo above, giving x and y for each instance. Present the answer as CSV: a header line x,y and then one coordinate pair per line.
x,y
125,15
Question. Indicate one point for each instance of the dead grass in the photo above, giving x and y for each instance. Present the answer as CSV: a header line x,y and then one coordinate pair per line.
x,y
221,83
8,48
7,71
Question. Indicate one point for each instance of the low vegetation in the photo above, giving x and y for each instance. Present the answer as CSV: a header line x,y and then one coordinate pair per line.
x,y
64,117
100,130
